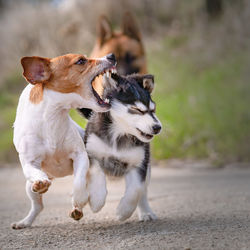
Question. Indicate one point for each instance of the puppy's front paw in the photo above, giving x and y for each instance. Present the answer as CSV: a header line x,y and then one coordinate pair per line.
x,y
125,209
76,214
20,225
147,216
97,200
80,198
41,186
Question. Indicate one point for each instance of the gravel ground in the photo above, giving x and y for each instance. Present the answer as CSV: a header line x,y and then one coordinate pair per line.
x,y
197,209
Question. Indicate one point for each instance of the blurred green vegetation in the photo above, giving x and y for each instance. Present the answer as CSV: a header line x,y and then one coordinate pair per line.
x,y
204,109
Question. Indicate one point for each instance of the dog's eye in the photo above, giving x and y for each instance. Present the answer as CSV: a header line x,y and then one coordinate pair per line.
x,y
138,111
129,58
81,61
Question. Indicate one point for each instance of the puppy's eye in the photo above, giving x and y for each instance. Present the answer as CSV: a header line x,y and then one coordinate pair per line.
x,y
81,61
138,111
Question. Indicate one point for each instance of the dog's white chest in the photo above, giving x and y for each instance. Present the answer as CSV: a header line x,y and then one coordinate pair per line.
x,y
99,149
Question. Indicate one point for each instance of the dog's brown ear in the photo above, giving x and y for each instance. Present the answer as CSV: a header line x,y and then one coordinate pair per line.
x,y
36,69
104,29
148,83
130,27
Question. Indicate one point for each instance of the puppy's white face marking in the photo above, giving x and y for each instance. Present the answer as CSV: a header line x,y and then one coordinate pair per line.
x,y
141,106
130,123
152,106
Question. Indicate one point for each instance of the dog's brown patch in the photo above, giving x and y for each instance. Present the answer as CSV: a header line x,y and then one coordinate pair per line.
x,y
126,45
41,186
76,214
61,74
36,93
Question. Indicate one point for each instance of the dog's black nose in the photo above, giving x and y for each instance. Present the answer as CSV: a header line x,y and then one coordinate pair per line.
x,y
111,58
156,129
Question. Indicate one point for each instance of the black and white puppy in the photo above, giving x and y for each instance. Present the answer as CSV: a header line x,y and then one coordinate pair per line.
x,y
117,143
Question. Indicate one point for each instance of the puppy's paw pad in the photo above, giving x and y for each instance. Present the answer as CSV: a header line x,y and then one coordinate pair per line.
x,y
147,217
76,214
41,186
18,225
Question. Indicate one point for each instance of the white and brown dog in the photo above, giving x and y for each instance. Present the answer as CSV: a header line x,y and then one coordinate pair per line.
x,y
49,143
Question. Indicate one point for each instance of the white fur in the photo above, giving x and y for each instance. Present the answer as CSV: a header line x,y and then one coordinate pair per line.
x,y
141,106
151,105
50,145
97,187
133,156
133,192
128,123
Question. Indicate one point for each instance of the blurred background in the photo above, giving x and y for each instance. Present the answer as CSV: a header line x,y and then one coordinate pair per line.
x,y
198,50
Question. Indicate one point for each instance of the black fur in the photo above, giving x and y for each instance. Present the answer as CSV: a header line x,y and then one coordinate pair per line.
x,y
85,112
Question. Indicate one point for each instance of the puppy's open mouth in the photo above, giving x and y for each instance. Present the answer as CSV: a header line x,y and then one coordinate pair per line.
x,y
147,136
103,103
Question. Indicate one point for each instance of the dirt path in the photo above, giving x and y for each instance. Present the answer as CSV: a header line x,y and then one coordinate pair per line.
x,y
197,209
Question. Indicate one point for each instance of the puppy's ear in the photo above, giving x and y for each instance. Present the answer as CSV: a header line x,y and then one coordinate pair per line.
x,y
148,83
104,29
145,81
36,69
130,27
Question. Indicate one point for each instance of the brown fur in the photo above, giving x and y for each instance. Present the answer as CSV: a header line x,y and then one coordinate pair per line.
x,y
40,186
127,41
59,74
36,93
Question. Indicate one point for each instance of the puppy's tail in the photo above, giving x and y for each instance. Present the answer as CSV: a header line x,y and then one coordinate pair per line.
x,y
85,112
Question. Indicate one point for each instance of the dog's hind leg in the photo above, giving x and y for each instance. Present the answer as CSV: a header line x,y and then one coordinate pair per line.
x,y
97,187
36,208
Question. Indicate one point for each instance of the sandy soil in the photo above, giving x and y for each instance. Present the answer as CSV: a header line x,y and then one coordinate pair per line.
x,y
197,209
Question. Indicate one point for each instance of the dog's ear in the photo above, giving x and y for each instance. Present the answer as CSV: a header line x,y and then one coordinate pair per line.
x,y
104,29
130,27
36,69
145,81
148,83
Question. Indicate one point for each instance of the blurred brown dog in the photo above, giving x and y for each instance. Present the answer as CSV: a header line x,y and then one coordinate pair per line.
x,y
126,45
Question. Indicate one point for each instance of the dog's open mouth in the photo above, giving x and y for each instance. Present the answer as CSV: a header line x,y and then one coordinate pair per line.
x,y
147,136
103,103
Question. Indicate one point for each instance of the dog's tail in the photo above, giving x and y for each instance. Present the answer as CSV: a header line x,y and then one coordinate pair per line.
x,y
85,112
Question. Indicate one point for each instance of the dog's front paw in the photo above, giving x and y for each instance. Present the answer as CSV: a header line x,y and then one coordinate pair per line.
x,y
41,186
147,216
76,214
125,209
80,198
97,200
20,225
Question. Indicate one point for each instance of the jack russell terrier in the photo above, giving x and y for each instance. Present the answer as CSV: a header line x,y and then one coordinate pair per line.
x,y
49,143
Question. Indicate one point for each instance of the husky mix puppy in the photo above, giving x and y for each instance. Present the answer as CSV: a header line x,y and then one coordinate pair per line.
x,y
118,143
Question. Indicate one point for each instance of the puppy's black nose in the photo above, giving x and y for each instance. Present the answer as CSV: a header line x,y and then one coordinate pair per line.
x,y
111,58
156,129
